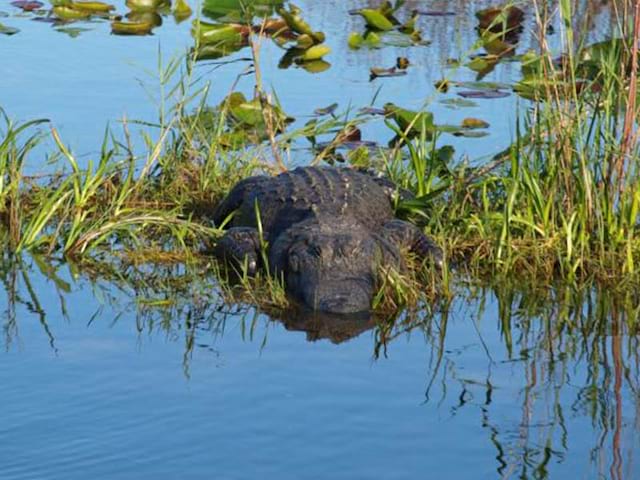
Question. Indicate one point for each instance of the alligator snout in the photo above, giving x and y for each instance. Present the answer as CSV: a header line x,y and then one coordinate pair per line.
x,y
339,297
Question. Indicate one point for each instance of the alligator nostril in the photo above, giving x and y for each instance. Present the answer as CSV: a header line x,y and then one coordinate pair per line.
x,y
345,302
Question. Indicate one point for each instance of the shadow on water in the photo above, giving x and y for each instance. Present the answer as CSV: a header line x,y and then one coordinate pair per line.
x,y
536,364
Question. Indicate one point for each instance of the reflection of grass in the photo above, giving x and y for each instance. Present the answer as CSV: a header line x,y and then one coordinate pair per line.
x,y
564,355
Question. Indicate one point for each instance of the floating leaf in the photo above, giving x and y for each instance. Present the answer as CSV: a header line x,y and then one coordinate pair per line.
x,y
401,40
483,94
131,28
69,13
4,30
315,66
146,5
483,64
483,85
73,32
216,51
182,10
375,19
495,44
371,40
471,133
355,40
458,102
93,7
460,131
273,26
474,123
315,53
52,20
220,33
27,5
152,18
294,20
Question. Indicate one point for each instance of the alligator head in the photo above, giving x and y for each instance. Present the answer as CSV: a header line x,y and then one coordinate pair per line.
x,y
332,268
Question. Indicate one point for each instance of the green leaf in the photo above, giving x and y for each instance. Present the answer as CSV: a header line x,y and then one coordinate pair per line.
x,y
375,19
4,30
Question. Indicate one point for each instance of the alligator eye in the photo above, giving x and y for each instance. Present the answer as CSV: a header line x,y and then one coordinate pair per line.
x,y
294,262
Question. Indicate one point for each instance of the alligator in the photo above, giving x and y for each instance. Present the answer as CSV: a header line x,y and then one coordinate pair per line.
x,y
326,231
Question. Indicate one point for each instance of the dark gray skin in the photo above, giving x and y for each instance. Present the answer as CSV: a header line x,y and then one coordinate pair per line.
x,y
328,231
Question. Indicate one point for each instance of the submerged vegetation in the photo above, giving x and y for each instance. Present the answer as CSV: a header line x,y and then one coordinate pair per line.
x,y
560,204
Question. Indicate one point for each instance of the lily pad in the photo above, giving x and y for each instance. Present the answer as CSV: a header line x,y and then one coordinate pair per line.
x,y
4,30
146,5
458,102
403,40
220,33
316,52
93,7
471,133
27,5
483,85
131,28
182,10
370,40
375,19
152,18
474,123
315,66
297,24
73,32
70,13
483,94
214,52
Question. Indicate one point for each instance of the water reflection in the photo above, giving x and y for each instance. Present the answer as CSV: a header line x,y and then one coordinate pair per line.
x,y
552,376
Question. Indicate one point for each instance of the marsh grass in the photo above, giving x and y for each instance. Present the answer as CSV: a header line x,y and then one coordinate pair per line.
x,y
560,203
563,201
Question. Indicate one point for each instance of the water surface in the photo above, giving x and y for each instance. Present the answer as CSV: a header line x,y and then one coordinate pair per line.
x,y
100,380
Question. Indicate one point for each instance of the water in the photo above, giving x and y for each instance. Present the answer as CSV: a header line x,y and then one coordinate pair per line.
x,y
101,381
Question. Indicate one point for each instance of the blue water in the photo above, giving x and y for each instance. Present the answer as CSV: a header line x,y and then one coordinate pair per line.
x,y
98,383
82,83
112,389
